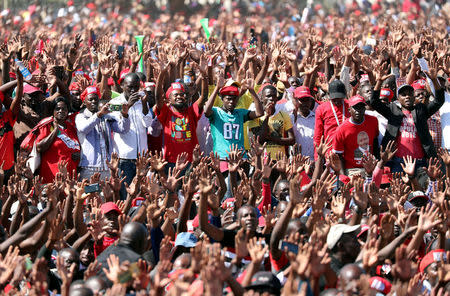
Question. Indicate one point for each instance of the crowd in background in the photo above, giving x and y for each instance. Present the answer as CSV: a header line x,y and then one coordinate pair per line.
x,y
242,147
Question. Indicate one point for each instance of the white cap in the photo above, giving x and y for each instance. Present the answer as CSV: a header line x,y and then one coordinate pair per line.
x,y
336,231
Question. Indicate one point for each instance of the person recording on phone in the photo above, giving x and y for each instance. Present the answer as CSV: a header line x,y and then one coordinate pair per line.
x,y
134,141
94,129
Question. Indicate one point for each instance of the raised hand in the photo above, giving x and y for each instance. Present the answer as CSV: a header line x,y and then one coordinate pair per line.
x,y
409,166
234,158
404,267
157,162
429,218
388,152
361,198
205,183
324,146
434,169
172,180
115,268
338,205
8,264
256,250
369,163
182,161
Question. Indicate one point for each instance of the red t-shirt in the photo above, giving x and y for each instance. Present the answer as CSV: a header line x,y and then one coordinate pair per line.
x,y
326,122
7,121
65,144
106,242
179,131
355,140
408,142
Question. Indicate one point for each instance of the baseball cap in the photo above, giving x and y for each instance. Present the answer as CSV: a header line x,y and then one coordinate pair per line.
x,y
88,91
380,284
231,90
355,100
417,194
280,87
110,206
29,89
431,257
186,239
404,87
419,84
364,228
302,92
174,86
337,89
386,93
265,280
231,82
336,232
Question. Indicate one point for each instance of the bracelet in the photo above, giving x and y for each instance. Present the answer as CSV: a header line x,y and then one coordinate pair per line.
x,y
68,70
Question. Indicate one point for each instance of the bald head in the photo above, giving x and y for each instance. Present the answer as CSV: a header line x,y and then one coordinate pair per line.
x,y
349,277
130,84
134,235
96,284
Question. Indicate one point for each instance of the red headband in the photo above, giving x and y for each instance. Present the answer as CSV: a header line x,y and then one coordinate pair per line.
x,y
229,91
387,93
419,84
88,91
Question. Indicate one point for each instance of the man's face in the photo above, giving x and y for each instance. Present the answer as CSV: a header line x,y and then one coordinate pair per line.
x,y
130,86
111,220
421,96
357,112
87,255
304,104
230,102
281,191
91,102
270,99
337,101
350,244
293,81
247,218
70,258
406,98
178,99
366,92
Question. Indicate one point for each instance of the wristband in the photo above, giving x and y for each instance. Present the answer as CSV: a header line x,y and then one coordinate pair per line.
x,y
68,70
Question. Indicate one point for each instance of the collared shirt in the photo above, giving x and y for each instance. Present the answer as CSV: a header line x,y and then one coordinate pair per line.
x,y
128,144
434,125
95,136
304,132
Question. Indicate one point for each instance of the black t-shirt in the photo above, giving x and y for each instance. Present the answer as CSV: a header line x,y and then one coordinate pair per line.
x,y
229,235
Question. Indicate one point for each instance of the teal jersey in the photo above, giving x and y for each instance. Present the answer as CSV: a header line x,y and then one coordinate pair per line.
x,y
227,129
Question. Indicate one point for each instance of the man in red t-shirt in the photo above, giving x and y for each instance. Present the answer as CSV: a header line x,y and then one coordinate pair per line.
x,y
355,138
331,114
179,120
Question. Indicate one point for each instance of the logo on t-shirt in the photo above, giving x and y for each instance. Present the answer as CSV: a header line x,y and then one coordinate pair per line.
x,y
408,128
181,130
363,146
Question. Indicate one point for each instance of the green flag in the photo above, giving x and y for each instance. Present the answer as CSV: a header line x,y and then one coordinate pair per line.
x,y
204,22
139,39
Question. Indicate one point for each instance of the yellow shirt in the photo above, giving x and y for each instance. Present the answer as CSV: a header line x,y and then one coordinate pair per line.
x,y
244,102
278,124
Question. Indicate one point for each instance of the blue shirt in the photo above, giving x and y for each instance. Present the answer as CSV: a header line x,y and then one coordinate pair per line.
x,y
227,128
95,136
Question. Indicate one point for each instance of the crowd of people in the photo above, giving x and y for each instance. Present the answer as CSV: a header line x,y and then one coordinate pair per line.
x,y
264,151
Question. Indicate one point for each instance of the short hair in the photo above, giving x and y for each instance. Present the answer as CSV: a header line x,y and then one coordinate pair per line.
x,y
57,100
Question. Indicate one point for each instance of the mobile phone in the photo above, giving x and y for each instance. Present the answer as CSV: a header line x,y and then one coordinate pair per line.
x,y
120,50
92,188
115,107
291,247
28,264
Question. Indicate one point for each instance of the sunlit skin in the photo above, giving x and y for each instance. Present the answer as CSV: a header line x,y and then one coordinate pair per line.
x,y
230,103
357,112
60,113
406,98
179,100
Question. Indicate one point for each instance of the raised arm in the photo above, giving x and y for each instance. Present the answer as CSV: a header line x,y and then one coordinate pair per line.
x,y
220,82
206,187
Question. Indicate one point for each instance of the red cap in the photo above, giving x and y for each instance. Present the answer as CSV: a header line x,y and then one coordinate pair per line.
x,y
344,179
122,75
364,228
173,87
29,89
364,78
110,206
74,86
229,91
433,256
419,84
12,75
380,284
302,92
386,93
88,91
355,100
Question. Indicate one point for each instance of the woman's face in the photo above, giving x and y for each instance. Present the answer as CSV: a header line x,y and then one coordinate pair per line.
x,y
60,113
